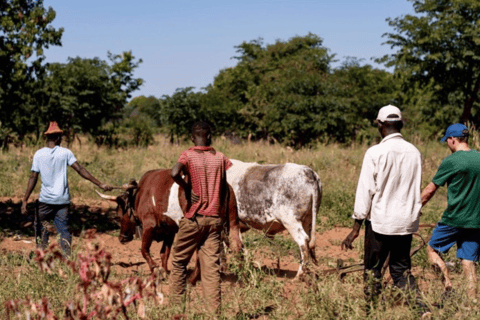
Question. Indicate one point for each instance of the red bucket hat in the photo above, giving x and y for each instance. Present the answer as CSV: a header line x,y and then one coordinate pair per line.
x,y
53,128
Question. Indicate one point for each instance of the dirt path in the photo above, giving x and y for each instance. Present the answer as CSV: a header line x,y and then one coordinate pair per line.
x,y
17,234
127,258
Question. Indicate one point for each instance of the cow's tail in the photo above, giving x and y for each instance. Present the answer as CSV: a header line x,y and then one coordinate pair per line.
x,y
316,201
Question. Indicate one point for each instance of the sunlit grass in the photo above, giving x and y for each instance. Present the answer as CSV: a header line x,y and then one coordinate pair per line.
x,y
337,166
250,291
257,290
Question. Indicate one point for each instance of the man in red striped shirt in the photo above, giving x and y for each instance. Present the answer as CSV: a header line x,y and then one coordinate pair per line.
x,y
203,221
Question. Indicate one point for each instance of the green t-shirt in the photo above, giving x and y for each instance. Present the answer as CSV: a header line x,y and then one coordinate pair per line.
x,y
461,172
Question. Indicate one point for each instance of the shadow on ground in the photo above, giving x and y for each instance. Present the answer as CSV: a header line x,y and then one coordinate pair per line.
x,y
82,217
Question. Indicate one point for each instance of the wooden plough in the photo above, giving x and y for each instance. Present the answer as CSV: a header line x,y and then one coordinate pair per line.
x,y
342,270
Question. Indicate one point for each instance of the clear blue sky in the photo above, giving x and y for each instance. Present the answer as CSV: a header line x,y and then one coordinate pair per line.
x,y
186,43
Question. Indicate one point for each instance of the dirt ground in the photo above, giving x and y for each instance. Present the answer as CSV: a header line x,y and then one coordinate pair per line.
x,y
18,235
128,259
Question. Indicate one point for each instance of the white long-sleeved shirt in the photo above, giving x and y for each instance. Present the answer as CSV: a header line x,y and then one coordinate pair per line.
x,y
389,187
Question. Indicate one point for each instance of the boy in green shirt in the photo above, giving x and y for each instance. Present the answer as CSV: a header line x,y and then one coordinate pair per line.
x,y
460,222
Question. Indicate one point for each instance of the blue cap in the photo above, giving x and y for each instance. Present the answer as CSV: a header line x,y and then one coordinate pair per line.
x,y
455,130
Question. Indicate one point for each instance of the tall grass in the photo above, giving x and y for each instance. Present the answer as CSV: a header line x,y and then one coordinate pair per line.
x,y
251,290
338,167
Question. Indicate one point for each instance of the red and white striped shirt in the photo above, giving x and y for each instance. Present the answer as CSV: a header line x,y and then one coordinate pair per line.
x,y
206,168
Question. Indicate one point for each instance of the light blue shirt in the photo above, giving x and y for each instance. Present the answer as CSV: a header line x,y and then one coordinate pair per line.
x,y
52,164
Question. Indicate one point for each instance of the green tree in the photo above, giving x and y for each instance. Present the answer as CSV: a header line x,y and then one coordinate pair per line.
x,y
180,111
84,94
138,128
147,107
25,31
288,92
439,49
367,89
279,90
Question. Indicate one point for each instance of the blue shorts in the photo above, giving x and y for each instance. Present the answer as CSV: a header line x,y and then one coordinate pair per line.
x,y
467,240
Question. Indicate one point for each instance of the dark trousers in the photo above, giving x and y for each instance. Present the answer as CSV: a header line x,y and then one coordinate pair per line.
x,y
377,249
59,214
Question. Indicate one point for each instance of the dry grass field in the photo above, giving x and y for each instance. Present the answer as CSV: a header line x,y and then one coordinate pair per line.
x,y
262,287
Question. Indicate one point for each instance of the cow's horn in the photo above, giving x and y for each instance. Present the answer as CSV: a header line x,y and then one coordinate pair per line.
x,y
104,196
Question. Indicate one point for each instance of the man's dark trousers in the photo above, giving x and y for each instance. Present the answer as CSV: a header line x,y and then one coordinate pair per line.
x,y
377,249
59,214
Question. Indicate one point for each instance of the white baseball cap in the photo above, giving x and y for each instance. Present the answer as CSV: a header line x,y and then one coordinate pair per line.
x,y
385,112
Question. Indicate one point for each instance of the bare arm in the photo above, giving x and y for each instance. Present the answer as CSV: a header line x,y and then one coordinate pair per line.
x,y
347,243
428,192
177,177
32,182
86,175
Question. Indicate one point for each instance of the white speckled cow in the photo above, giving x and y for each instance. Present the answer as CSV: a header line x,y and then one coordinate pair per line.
x,y
273,198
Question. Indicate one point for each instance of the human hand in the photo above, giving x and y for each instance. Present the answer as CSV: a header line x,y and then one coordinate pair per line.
x,y
191,196
106,187
347,243
24,208
194,198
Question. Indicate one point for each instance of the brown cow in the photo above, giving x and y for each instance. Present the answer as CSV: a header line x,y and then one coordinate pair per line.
x,y
157,204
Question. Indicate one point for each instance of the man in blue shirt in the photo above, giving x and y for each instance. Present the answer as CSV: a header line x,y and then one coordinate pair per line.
x,y
51,163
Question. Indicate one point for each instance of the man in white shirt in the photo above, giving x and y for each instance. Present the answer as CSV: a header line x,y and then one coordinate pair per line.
x,y
388,199
51,163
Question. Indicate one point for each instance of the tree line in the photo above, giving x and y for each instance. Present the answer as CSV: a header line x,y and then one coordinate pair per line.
x,y
287,92
84,95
